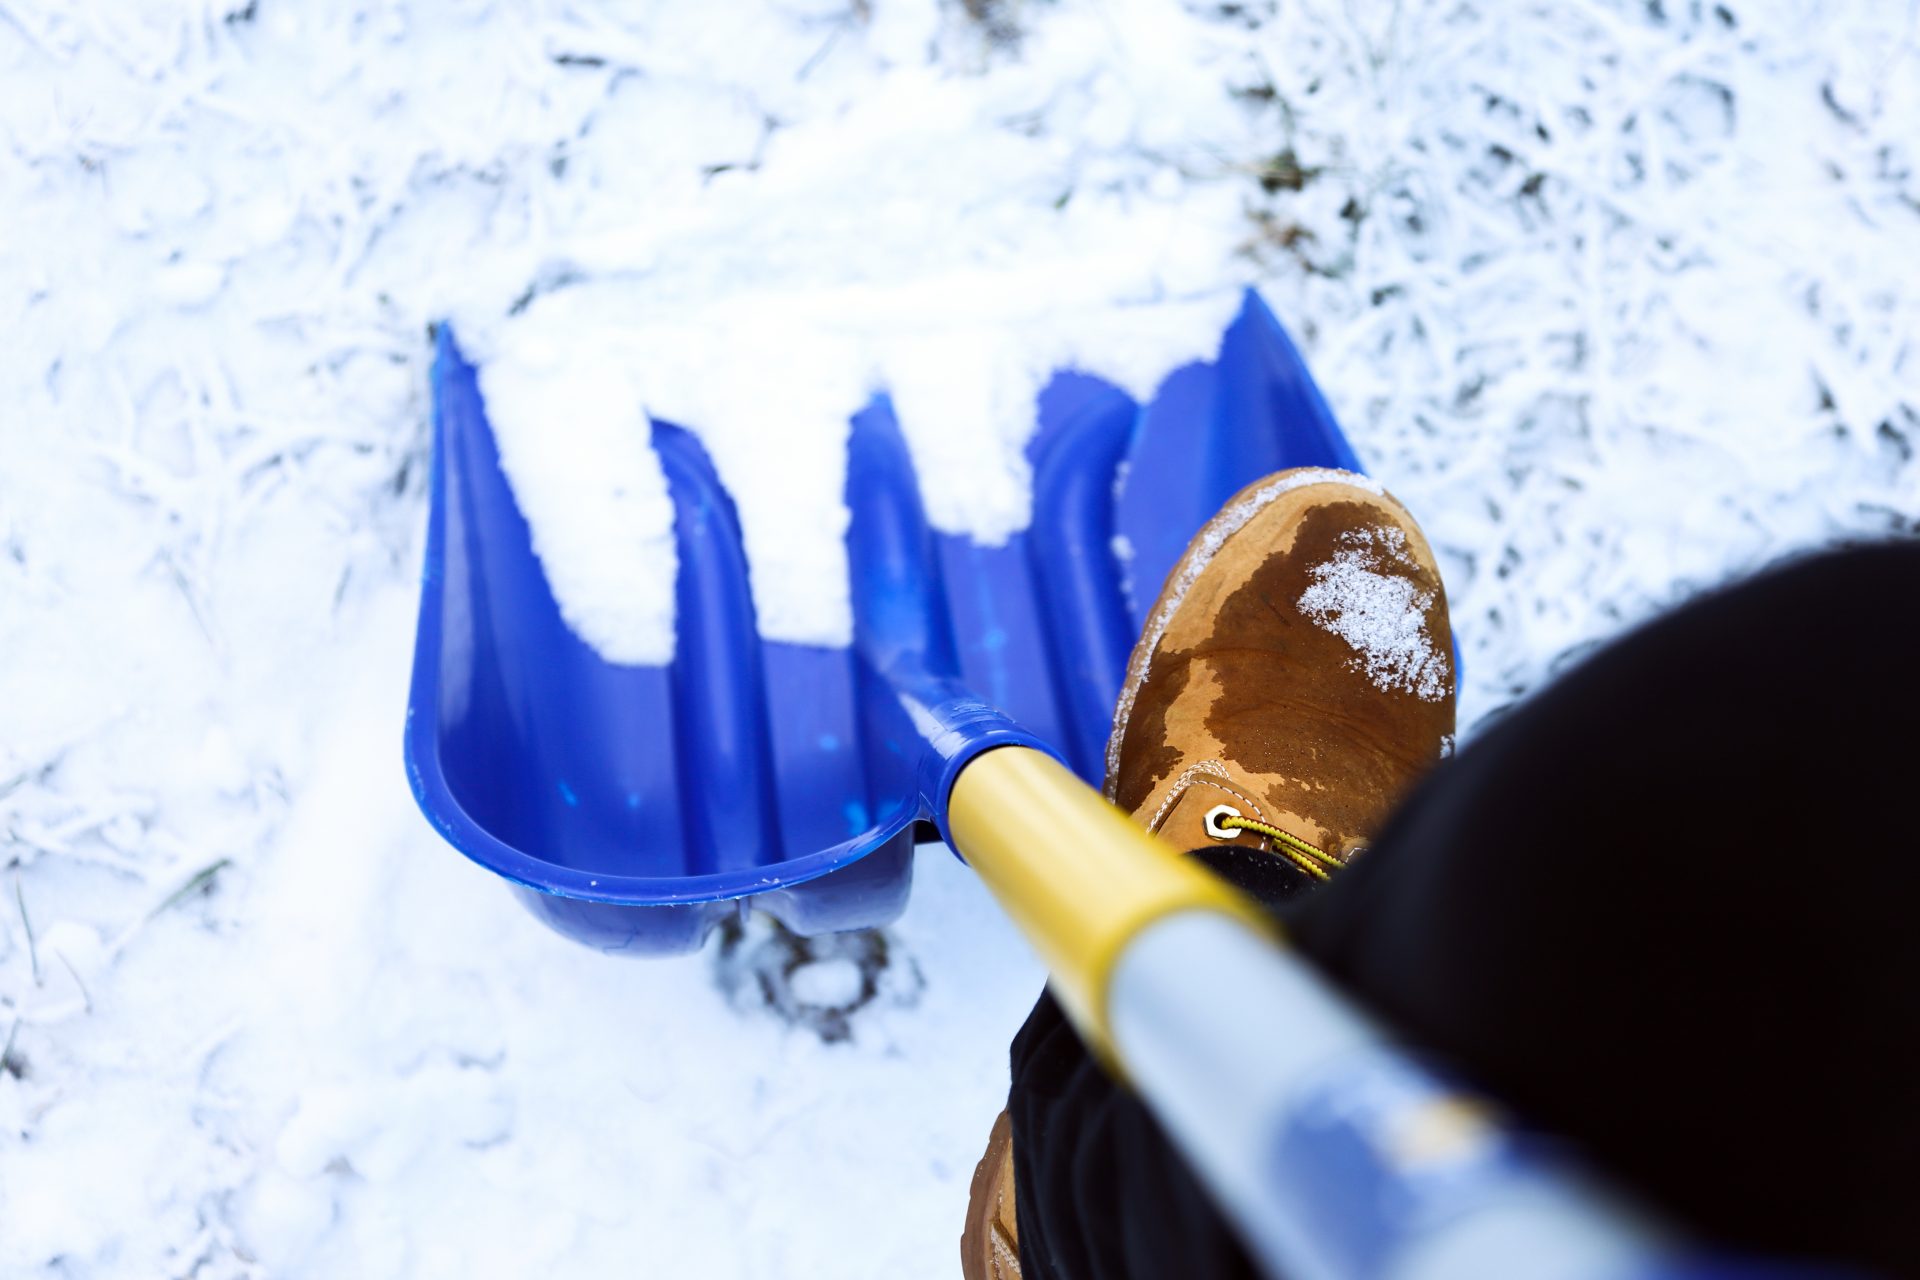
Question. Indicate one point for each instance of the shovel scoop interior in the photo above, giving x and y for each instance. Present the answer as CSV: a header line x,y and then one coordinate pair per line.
x,y
635,808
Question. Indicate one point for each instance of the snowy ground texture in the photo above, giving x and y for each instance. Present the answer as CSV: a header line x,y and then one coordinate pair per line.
x,y
1619,295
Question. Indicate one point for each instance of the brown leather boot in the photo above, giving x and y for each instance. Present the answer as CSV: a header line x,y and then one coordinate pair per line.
x,y
990,1245
1294,678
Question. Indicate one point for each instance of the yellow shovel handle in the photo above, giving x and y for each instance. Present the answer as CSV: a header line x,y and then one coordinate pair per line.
x,y
1075,874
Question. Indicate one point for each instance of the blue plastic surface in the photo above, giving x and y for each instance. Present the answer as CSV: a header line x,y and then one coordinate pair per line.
x,y
635,808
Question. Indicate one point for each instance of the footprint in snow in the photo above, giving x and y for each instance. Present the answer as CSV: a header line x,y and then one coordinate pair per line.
x,y
819,983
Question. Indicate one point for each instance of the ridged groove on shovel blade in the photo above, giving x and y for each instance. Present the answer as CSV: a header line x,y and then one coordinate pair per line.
x,y
920,715
1084,436
903,637
1039,622
1212,430
720,734
768,734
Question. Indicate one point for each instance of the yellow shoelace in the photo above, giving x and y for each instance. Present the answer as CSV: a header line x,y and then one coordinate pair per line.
x,y
1315,862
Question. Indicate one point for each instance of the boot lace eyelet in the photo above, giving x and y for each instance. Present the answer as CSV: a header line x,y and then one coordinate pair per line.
x,y
1213,827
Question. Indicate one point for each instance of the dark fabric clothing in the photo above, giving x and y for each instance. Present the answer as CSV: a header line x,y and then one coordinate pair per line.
x,y
1664,909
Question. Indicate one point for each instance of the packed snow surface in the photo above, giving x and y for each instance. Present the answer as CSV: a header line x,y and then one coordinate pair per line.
x,y
1617,296
1365,595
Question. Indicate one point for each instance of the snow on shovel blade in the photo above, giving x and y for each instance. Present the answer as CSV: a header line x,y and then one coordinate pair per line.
x,y
634,808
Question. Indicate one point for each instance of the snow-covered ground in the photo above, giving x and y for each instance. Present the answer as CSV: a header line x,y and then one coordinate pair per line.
x,y
1620,297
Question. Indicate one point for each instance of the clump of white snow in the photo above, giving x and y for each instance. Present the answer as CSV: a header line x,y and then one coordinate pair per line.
x,y
827,984
1364,595
948,239
581,462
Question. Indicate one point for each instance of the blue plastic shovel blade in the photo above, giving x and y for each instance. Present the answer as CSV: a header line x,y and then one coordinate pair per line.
x,y
634,808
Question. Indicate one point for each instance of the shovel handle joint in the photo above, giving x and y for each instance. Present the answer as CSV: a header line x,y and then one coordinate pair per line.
x,y
1078,877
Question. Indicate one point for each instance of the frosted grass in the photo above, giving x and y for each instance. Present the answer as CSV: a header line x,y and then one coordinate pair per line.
x,y
1616,297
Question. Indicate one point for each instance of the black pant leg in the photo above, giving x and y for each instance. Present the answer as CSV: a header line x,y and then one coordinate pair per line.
x,y
1662,910
1666,909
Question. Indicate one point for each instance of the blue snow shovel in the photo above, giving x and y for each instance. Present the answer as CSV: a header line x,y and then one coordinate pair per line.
x,y
635,808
